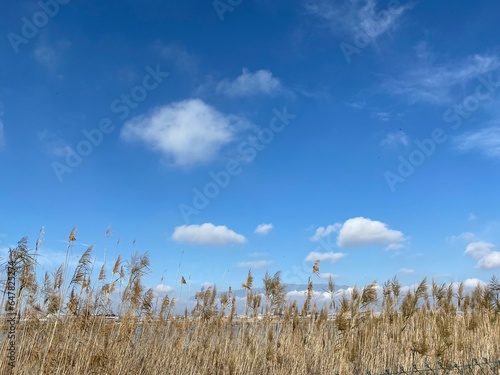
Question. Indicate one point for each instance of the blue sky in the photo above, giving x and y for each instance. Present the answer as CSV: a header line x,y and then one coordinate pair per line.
x,y
223,136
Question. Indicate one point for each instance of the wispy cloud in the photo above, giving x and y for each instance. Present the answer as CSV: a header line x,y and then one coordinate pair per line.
x,y
485,141
323,232
484,253
394,139
357,16
263,229
437,83
472,217
181,59
53,144
248,83
465,236
207,234
190,132
383,116
406,271
50,55
361,231
313,256
255,264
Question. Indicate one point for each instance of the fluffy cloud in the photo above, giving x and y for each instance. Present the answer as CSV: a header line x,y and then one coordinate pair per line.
x,y
360,231
486,257
255,264
263,229
323,232
190,132
320,298
473,282
248,83
207,234
485,141
161,288
313,256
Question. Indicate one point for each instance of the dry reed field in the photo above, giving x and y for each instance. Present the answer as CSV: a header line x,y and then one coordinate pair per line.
x,y
373,329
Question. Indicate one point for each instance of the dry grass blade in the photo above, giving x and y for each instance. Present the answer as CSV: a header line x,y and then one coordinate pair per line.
x,y
213,339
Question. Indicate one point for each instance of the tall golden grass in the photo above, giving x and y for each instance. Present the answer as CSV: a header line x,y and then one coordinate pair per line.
x,y
428,324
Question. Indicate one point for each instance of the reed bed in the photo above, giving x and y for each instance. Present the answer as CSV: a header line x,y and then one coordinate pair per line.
x,y
372,329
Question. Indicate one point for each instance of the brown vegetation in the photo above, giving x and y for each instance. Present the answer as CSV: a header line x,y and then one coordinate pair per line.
x,y
428,324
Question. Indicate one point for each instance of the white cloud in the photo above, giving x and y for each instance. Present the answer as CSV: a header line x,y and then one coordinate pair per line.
x,y
45,55
473,282
255,264
263,229
465,236
53,144
207,284
406,271
327,275
360,231
350,17
313,256
435,83
50,54
479,249
357,105
484,253
207,234
248,83
319,298
485,141
472,217
180,57
258,254
489,261
161,288
395,139
383,116
323,232
190,132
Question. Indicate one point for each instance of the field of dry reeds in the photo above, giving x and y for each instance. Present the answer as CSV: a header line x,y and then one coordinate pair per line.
x,y
62,325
